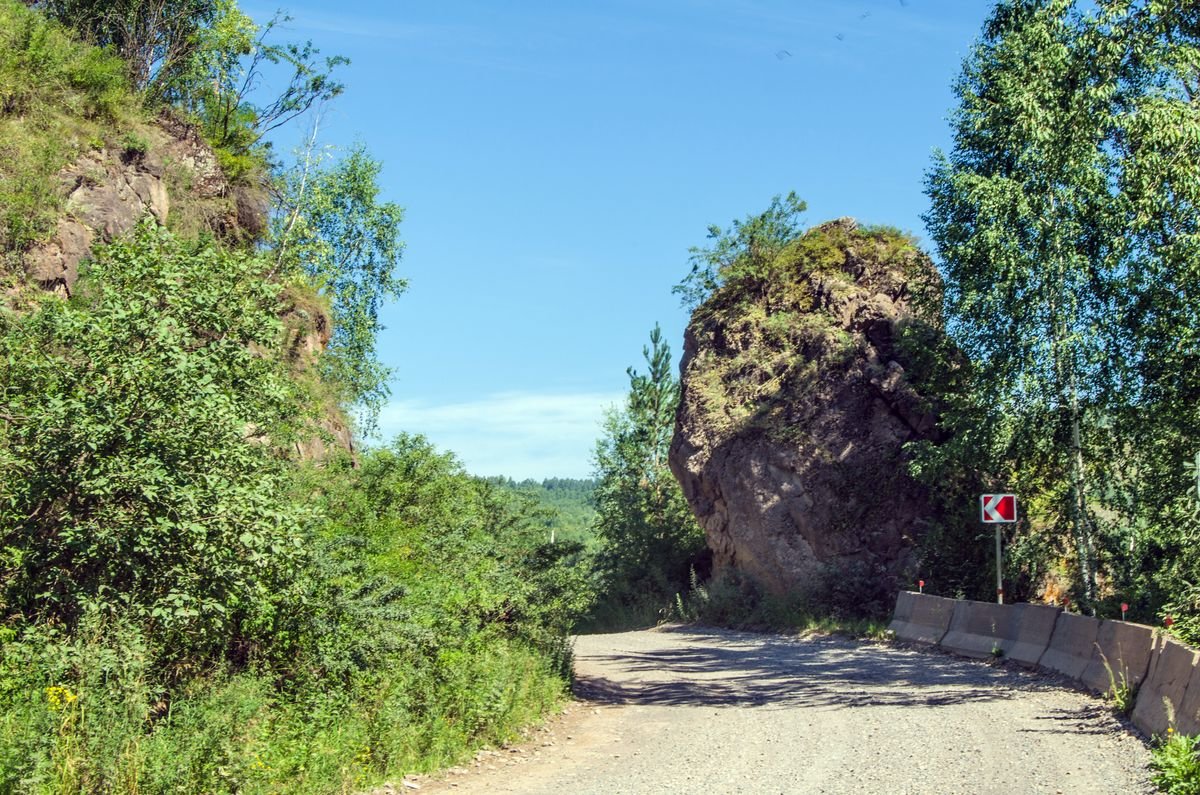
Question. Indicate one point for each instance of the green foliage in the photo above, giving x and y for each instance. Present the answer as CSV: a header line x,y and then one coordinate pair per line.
x,y
430,619
1066,219
157,39
1176,764
82,715
221,84
649,538
748,249
207,58
55,97
732,599
138,471
331,228
767,327
569,504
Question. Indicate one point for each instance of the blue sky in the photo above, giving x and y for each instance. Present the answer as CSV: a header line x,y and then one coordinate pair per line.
x,y
556,160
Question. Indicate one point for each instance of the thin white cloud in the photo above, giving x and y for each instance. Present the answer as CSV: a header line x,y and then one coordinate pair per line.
x,y
518,434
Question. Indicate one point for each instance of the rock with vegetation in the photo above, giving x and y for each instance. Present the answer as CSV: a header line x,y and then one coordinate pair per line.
x,y
797,404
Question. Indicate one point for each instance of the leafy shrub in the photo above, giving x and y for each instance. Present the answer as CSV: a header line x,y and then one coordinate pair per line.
x,y
54,96
75,707
1176,764
138,471
43,69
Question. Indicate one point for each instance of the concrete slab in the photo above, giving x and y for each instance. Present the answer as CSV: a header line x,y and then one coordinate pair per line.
x,y
903,612
1187,716
1072,645
927,620
1161,697
979,628
1122,648
1034,628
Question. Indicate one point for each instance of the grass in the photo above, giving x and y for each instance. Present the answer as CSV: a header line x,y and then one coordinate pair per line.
x,y
103,728
735,601
1120,692
58,99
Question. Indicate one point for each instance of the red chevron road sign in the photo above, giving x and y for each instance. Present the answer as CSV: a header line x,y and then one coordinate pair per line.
x,y
998,508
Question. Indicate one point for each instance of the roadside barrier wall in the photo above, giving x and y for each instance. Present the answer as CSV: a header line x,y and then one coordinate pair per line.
x,y
1121,656
1018,632
920,618
1072,645
1100,655
1161,697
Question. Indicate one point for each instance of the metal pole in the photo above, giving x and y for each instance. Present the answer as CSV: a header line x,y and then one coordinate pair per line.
x,y
999,571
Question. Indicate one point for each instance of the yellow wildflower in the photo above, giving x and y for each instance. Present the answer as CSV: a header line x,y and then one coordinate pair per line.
x,y
60,697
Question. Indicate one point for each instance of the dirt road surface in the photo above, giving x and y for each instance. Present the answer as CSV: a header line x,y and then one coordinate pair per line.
x,y
693,710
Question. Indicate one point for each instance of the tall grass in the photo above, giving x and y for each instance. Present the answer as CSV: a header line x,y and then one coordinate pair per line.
x,y
83,716
737,601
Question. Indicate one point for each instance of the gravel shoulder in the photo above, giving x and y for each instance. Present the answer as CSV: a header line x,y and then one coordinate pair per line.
x,y
687,709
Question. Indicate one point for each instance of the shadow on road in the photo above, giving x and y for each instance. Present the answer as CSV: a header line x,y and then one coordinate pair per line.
x,y
718,669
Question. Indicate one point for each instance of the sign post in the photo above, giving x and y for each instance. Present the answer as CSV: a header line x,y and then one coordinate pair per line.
x,y
998,509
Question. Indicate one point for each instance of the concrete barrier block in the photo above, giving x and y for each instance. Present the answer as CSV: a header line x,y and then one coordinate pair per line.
x,y
979,628
1122,648
1034,628
903,612
1161,696
1071,645
921,618
1187,716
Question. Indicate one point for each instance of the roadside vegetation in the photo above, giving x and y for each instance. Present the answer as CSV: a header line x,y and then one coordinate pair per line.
x,y
185,606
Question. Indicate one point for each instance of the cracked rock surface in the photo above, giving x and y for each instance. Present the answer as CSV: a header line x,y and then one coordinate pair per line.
x,y
797,403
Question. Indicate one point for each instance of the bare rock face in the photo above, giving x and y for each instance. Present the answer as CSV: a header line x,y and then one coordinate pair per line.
x,y
795,409
109,189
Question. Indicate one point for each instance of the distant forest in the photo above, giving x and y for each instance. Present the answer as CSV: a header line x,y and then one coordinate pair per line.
x,y
571,511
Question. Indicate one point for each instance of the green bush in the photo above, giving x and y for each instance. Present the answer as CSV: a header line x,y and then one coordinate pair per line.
x,y
56,95
430,620
75,707
43,69
139,471
1176,764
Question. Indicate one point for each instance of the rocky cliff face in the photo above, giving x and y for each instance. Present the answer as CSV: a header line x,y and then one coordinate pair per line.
x,y
112,187
796,406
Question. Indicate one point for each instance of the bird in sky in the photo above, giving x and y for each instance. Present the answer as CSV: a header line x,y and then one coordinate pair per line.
x,y
781,54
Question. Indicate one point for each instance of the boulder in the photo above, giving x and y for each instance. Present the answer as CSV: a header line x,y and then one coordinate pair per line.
x,y
796,406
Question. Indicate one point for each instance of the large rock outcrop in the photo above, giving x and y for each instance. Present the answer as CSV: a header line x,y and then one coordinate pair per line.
x,y
161,167
796,407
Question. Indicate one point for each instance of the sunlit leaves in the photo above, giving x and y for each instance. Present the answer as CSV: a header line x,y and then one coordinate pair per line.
x,y
332,228
1066,218
139,433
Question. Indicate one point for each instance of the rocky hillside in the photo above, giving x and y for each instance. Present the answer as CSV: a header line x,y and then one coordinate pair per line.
x,y
113,185
796,407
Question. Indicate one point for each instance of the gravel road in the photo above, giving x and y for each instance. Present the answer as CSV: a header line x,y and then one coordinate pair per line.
x,y
694,710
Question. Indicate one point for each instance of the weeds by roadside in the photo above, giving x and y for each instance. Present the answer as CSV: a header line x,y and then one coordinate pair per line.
x,y
1120,692
1175,760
